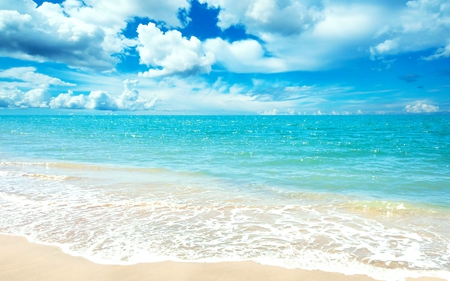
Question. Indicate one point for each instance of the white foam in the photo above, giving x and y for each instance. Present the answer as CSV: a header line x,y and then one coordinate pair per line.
x,y
118,223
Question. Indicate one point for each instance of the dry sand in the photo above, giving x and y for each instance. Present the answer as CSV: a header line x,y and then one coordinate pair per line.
x,y
22,260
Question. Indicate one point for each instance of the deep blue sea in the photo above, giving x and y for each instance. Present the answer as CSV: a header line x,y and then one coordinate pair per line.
x,y
351,194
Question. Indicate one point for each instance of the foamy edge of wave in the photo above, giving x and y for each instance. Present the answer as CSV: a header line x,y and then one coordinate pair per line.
x,y
348,269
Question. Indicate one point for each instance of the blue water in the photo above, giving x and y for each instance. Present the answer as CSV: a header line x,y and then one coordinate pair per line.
x,y
354,194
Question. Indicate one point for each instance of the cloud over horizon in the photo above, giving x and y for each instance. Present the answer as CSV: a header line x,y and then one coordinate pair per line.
x,y
323,43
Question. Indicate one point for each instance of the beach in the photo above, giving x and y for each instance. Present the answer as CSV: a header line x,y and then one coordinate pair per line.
x,y
232,196
22,260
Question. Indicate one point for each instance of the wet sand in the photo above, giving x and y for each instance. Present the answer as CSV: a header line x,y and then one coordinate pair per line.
x,y
22,260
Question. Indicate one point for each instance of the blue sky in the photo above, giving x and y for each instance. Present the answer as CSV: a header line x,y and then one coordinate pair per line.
x,y
225,57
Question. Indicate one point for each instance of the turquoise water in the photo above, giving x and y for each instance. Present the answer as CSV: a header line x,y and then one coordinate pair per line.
x,y
353,194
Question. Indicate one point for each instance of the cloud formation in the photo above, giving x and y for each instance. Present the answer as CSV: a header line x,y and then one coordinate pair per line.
x,y
15,98
270,39
420,107
129,100
82,34
314,35
26,76
47,34
440,53
286,18
244,56
328,33
292,34
23,87
171,53
419,25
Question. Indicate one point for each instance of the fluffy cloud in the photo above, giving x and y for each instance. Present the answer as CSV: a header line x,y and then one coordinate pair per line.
x,y
417,26
48,34
287,17
244,56
420,107
313,35
100,100
14,97
68,101
83,34
129,100
114,13
337,31
24,87
290,34
170,53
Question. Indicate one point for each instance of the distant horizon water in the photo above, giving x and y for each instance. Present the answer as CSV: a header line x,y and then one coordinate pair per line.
x,y
358,194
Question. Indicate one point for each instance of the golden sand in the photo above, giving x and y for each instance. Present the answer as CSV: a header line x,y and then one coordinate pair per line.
x,y
22,260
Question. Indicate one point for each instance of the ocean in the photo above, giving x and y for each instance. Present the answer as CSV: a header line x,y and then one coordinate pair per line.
x,y
350,194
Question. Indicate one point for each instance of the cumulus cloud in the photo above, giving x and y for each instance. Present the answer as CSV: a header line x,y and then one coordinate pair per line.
x,y
16,98
68,101
269,16
383,48
83,34
420,107
418,26
338,32
24,87
129,100
48,34
171,53
115,13
243,56
313,35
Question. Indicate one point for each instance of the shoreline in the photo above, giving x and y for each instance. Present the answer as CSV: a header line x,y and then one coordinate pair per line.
x,y
23,260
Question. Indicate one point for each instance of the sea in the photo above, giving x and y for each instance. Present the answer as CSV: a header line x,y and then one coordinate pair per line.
x,y
349,194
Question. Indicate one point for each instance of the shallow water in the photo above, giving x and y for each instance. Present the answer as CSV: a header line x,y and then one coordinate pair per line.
x,y
357,194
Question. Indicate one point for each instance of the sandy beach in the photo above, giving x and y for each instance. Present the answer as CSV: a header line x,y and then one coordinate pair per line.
x,y
22,260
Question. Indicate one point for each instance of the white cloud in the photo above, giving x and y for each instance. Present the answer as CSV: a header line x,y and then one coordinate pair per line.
x,y
383,48
14,97
28,76
270,112
24,87
288,17
115,13
303,88
420,25
420,107
243,56
440,53
48,34
68,101
100,100
338,32
129,100
313,35
170,53
83,34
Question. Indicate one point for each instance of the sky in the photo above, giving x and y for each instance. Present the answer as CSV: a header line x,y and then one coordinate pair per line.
x,y
273,57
